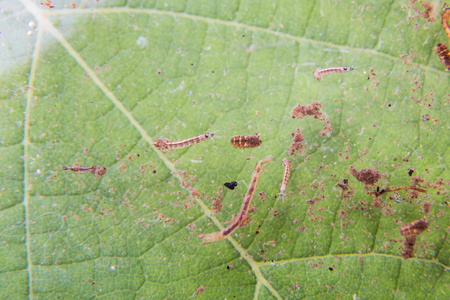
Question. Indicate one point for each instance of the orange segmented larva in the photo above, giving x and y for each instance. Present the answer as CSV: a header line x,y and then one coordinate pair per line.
x,y
236,222
441,49
320,72
445,19
414,228
246,141
164,144
96,170
444,55
287,169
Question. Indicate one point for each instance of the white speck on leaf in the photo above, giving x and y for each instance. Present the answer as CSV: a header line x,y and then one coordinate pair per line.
x,y
179,87
142,42
196,161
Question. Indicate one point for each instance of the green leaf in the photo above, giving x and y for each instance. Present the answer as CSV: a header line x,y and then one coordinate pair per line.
x,y
98,83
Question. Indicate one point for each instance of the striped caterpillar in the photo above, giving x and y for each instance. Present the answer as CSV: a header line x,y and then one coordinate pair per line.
x,y
165,144
96,170
320,72
240,217
287,167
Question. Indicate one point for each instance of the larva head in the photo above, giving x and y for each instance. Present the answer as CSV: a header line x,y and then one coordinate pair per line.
x,y
346,68
160,144
440,47
208,135
286,162
101,171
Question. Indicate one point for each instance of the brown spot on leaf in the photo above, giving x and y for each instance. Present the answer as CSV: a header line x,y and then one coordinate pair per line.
x,y
366,176
297,143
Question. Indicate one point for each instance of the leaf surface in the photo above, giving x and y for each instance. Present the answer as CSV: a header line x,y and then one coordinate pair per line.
x,y
97,82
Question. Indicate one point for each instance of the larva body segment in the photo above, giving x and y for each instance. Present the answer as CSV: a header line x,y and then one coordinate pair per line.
x,y
246,141
287,170
165,144
408,251
318,74
441,48
240,217
161,144
444,55
414,228
445,19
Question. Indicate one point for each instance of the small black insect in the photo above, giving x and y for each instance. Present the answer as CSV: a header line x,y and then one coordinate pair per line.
x,y
230,185
330,268
345,181
410,172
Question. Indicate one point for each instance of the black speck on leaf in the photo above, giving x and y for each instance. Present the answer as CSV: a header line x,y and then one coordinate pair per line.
x,y
230,185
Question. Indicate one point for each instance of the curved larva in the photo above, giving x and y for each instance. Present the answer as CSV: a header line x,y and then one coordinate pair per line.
x,y
219,235
320,72
165,144
287,168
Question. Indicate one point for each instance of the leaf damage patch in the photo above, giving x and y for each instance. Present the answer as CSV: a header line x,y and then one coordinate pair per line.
x,y
297,143
366,176
313,110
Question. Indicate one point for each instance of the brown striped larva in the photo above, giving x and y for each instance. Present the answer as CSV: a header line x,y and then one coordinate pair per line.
x,y
165,144
320,72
